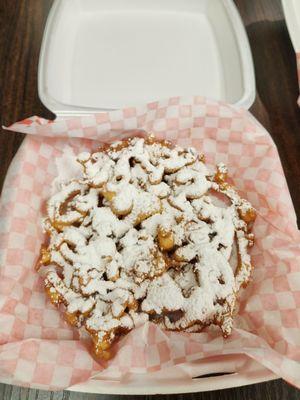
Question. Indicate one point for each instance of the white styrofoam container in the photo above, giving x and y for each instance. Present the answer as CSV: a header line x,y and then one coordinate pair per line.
x,y
291,10
162,383
106,54
173,381
101,55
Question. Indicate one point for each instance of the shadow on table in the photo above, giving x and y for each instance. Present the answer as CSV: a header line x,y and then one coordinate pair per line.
x,y
275,390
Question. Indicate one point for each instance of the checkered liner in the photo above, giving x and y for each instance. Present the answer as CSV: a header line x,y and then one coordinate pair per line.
x,y
38,349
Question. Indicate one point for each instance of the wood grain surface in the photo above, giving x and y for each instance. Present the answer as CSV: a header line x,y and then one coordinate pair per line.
x,y
21,28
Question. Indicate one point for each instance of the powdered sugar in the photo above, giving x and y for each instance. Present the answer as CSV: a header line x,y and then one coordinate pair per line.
x,y
138,235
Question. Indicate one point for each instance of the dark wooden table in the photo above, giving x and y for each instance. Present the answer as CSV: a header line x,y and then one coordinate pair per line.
x,y
21,28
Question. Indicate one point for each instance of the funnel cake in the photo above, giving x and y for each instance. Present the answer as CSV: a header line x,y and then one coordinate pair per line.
x,y
147,233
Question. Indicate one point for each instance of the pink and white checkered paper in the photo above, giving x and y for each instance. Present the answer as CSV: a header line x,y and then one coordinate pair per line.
x,y
38,349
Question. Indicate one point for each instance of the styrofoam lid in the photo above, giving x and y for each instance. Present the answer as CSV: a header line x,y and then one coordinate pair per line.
x,y
108,54
292,15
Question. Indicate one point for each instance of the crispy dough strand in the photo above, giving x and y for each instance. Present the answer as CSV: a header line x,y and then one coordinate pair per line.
x,y
145,235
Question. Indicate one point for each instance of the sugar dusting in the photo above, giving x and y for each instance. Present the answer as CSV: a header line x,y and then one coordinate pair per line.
x,y
108,230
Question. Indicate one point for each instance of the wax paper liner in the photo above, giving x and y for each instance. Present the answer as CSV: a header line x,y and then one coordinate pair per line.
x,y
38,349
